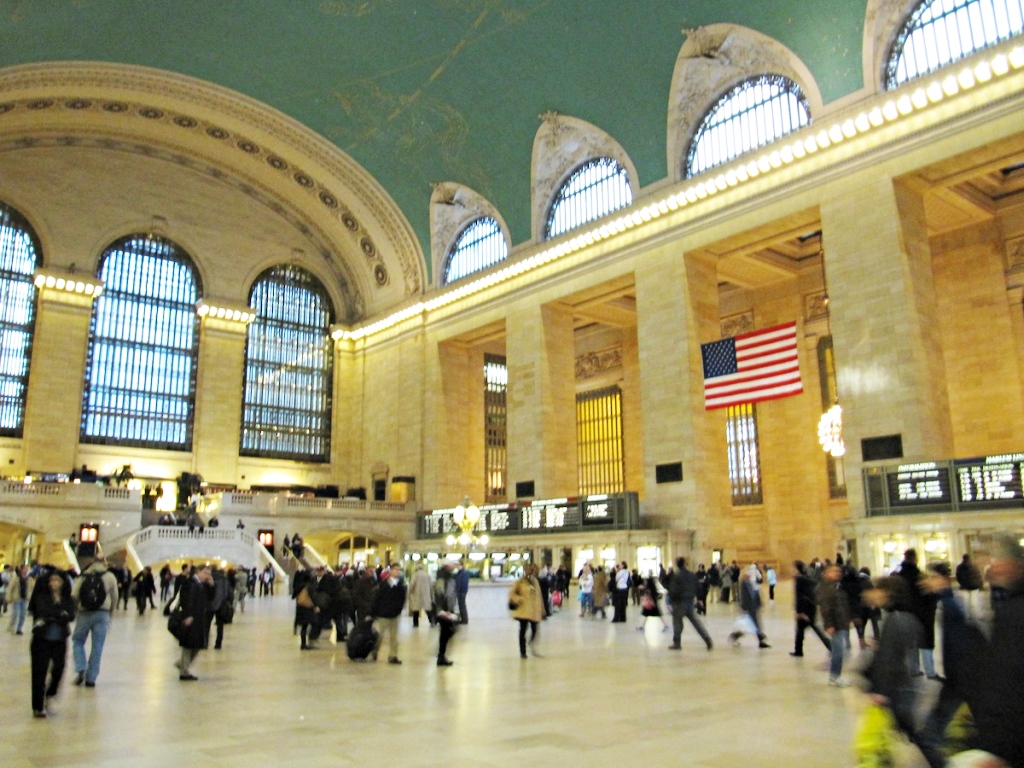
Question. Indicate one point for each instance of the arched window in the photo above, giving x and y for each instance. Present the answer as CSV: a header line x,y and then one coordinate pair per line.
x,y
19,257
752,114
939,32
481,245
140,378
286,405
594,190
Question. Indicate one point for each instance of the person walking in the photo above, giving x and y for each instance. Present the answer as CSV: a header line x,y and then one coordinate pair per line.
x,y
527,607
835,616
144,586
585,582
923,605
194,600
682,594
446,602
17,599
95,595
620,595
388,601
421,595
600,595
772,578
462,590
806,609
749,596
52,610
650,603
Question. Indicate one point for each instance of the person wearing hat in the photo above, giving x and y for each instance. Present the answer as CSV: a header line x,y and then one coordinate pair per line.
x,y
93,620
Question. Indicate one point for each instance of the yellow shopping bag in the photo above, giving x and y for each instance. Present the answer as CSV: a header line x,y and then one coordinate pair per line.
x,y
875,736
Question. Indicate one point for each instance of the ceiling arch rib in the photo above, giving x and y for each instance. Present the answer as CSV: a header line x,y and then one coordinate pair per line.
x,y
342,212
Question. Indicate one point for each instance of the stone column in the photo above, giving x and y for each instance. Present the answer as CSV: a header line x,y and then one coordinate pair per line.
x,y
885,326
53,405
677,310
216,435
540,350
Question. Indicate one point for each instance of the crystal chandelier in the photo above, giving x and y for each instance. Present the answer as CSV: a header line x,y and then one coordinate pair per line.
x,y
830,431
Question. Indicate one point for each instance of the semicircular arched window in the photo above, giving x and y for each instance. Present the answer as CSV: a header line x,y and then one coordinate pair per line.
x,y
939,32
595,189
481,245
19,257
752,114
286,400
140,378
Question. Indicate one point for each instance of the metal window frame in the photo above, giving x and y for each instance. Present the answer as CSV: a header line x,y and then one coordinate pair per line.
x,y
748,116
495,431
593,190
274,423
600,445
829,396
128,398
744,451
480,245
933,35
14,386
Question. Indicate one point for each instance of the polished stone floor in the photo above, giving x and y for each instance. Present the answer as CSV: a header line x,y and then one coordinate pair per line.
x,y
602,694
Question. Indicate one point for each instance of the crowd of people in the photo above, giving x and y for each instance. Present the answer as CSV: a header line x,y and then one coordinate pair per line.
x,y
894,617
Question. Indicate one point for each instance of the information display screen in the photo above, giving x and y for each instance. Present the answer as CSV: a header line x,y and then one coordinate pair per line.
x,y
991,478
613,511
923,483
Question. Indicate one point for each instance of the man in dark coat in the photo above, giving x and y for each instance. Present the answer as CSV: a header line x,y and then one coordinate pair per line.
x,y
806,609
923,605
682,592
195,600
388,601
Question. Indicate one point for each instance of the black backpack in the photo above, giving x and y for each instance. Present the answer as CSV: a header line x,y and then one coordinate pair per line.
x,y
93,593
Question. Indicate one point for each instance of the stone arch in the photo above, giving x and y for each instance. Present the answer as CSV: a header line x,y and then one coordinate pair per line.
x,y
883,20
319,198
561,145
714,59
452,207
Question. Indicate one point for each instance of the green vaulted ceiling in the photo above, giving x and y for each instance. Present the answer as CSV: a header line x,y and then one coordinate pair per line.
x,y
422,91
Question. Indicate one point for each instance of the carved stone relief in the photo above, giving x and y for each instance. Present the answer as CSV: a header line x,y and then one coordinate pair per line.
x,y
815,305
734,325
593,363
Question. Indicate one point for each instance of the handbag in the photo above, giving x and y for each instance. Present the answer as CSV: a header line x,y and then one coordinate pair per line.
x,y
875,737
226,612
303,600
176,623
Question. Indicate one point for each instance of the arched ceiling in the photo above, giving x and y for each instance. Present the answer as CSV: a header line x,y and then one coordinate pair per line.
x,y
424,91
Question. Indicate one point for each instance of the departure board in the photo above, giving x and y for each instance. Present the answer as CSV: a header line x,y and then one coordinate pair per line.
x,y
989,479
923,483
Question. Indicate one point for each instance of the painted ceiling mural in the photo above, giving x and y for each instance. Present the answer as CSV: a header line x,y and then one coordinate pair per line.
x,y
424,91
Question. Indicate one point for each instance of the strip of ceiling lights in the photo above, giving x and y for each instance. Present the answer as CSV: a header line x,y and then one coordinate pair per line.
x,y
892,108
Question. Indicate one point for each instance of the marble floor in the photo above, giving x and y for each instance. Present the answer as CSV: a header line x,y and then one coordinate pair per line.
x,y
602,694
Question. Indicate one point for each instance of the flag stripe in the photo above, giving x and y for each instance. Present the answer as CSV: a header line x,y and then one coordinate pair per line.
x,y
755,366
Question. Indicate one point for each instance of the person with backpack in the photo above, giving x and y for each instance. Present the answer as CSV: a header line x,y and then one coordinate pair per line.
x,y
95,594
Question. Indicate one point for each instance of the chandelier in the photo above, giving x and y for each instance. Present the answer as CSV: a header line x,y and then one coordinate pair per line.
x,y
830,431
466,516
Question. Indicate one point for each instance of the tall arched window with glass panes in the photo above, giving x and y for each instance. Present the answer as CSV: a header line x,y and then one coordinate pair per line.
x,y
750,115
940,32
140,378
19,257
481,245
595,189
286,402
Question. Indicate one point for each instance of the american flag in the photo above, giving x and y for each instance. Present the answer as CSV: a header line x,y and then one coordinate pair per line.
x,y
755,366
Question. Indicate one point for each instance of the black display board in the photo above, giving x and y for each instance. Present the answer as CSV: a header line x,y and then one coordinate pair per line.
x,y
614,511
985,482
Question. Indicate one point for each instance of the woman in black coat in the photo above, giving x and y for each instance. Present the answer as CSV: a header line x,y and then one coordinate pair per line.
x,y
52,611
196,599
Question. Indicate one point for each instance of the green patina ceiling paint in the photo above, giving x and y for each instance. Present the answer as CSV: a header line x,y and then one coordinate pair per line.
x,y
420,91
